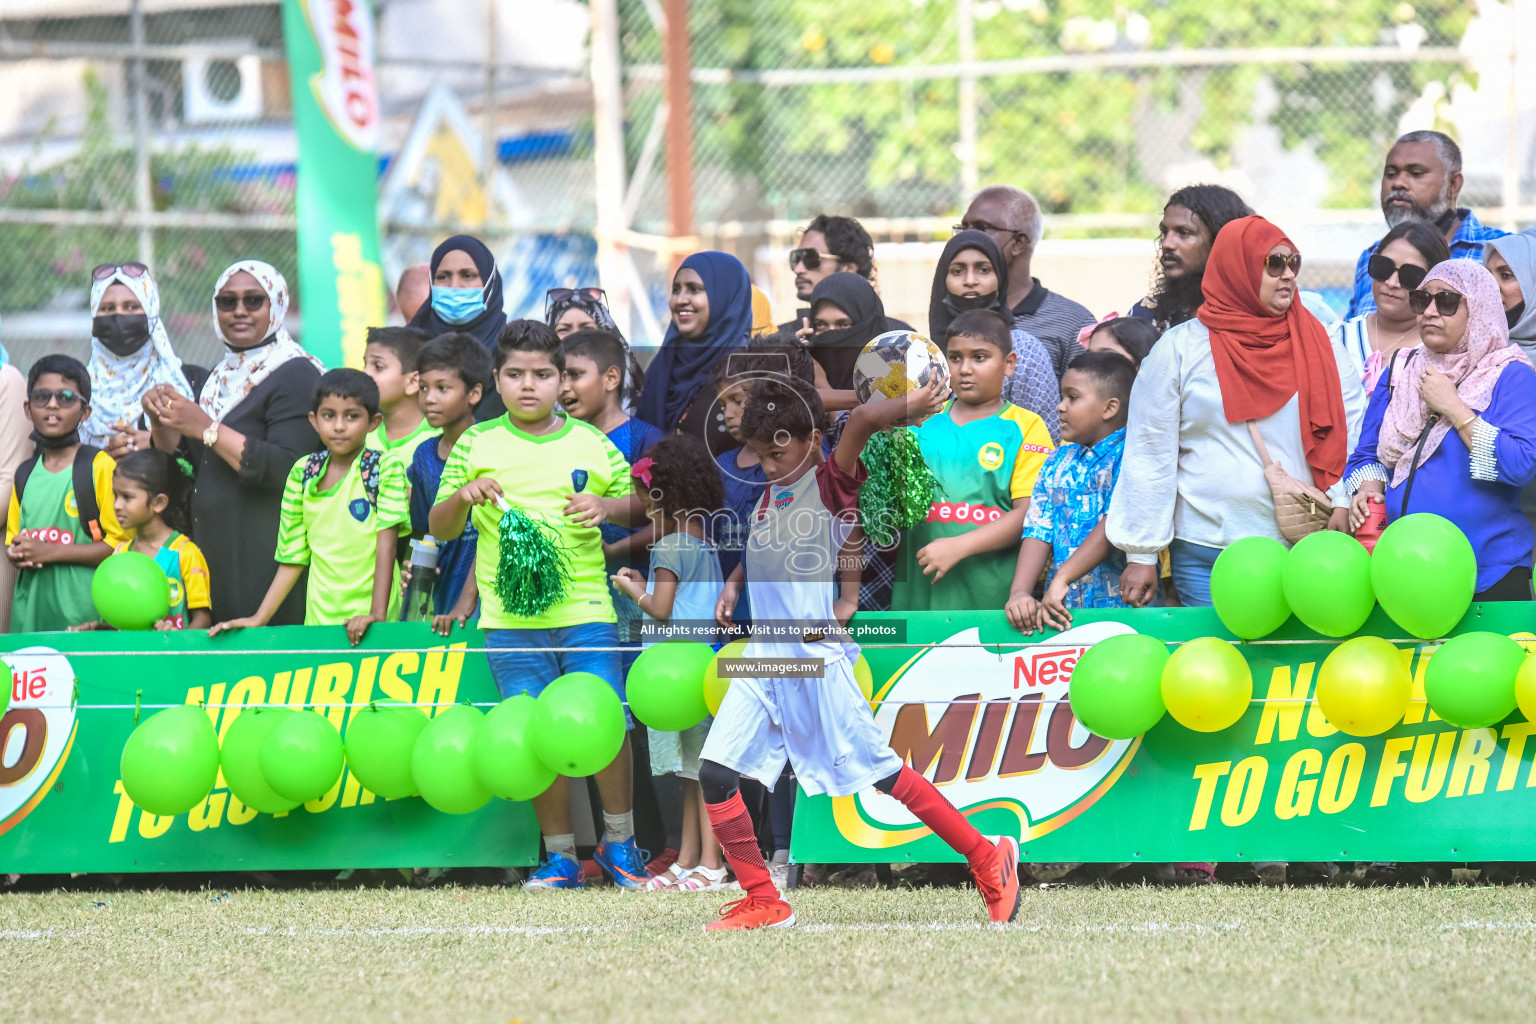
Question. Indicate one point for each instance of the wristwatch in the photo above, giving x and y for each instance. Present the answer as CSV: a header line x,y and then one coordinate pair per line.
x,y
211,435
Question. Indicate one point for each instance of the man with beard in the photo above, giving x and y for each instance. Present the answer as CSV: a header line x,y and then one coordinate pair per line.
x,y
829,245
1191,218
1422,178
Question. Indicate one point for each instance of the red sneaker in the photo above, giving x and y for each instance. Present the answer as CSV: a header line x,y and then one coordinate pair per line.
x,y
748,912
998,881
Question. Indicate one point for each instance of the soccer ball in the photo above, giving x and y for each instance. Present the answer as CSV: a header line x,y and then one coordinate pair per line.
x,y
895,363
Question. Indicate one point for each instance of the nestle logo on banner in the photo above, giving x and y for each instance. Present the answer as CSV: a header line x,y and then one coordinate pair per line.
x,y
1042,668
345,86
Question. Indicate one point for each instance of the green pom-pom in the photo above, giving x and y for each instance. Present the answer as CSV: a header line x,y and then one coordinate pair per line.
x,y
900,489
534,569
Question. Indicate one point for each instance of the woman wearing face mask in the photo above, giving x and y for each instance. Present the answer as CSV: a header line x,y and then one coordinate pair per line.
x,y
1391,331
130,355
1453,431
1512,262
248,426
711,304
466,297
1193,477
972,275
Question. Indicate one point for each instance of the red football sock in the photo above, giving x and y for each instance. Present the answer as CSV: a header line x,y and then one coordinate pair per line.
x,y
733,829
924,800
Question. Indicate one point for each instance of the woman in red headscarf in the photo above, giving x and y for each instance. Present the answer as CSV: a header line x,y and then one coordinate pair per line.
x,y
1192,478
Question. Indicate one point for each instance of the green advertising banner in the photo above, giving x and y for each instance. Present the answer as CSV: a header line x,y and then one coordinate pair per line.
x,y
336,117
963,698
986,718
62,805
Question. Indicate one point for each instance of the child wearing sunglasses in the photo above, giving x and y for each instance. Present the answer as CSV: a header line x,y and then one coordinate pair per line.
x,y
61,524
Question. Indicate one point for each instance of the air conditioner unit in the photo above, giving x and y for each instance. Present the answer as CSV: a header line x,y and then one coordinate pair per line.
x,y
221,88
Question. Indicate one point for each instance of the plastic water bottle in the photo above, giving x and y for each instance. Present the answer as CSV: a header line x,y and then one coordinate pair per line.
x,y
1375,522
417,604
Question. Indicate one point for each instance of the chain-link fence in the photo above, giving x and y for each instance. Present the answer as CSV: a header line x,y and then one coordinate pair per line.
x,y
162,129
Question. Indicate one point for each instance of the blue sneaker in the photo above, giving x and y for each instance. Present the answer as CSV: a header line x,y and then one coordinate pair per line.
x,y
557,872
624,862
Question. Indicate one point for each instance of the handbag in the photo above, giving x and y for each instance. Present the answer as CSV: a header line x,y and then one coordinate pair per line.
x,y
1300,508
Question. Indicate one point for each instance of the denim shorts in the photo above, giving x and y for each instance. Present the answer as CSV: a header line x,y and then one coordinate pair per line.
x,y
529,671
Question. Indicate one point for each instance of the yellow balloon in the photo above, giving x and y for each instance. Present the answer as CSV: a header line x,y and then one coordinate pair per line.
x,y
714,686
1207,685
1364,687
1525,688
866,678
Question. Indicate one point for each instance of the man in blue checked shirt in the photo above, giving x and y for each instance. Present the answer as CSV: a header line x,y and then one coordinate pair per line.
x,y
1422,178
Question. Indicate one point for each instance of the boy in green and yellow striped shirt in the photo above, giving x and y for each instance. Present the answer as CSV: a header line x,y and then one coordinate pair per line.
x,y
343,508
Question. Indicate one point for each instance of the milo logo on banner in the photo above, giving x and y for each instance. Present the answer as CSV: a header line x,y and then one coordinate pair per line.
x,y
344,86
1004,738
37,730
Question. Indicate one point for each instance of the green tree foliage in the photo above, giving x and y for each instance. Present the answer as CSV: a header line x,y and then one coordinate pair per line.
x,y
44,266
889,147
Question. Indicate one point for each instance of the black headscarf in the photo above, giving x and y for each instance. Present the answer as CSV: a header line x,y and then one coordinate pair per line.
x,y
944,307
681,367
838,350
487,326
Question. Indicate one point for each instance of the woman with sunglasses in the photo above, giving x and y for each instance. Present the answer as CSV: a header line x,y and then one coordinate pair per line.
x,y
569,310
1453,429
711,304
131,355
1193,480
248,426
1398,266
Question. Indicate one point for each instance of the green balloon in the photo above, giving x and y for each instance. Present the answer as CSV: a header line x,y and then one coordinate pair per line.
x,y
240,757
130,591
380,739
666,685
504,756
1117,686
1328,583
443,761
1248,587
302,756
578,725
1425,573
1470,681
171,760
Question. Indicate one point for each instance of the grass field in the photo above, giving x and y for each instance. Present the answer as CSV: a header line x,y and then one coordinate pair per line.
x,y
497,955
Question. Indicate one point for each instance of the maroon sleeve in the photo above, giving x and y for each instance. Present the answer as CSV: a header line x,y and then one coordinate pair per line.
x,y
839,491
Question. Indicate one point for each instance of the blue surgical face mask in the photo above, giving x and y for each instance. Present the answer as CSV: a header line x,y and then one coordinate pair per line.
x,y
458,305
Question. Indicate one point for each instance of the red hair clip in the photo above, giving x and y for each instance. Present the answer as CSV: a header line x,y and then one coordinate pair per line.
x,y
641,470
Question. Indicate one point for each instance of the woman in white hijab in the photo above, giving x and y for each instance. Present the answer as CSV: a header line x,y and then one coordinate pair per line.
x,y
130,355
248,427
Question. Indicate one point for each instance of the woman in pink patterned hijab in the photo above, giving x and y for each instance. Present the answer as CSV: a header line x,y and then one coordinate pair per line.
x,y
1454,430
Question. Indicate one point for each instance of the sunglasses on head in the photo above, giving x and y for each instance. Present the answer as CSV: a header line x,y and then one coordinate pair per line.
x,y
251,300
1381,269
107,270
555,295
67,399
1275,264
810,257
1446,303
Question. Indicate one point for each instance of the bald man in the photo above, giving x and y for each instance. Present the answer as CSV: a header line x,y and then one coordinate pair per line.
x,y
1012,217
414,289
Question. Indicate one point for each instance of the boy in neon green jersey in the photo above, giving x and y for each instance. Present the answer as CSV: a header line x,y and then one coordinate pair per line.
x,y
569,476
342,512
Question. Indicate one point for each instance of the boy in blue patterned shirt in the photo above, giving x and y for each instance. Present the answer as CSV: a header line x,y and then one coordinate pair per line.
x,y
1065,523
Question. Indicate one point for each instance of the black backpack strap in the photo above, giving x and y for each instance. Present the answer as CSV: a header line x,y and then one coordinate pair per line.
x,y
86,507
19,479
370,460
